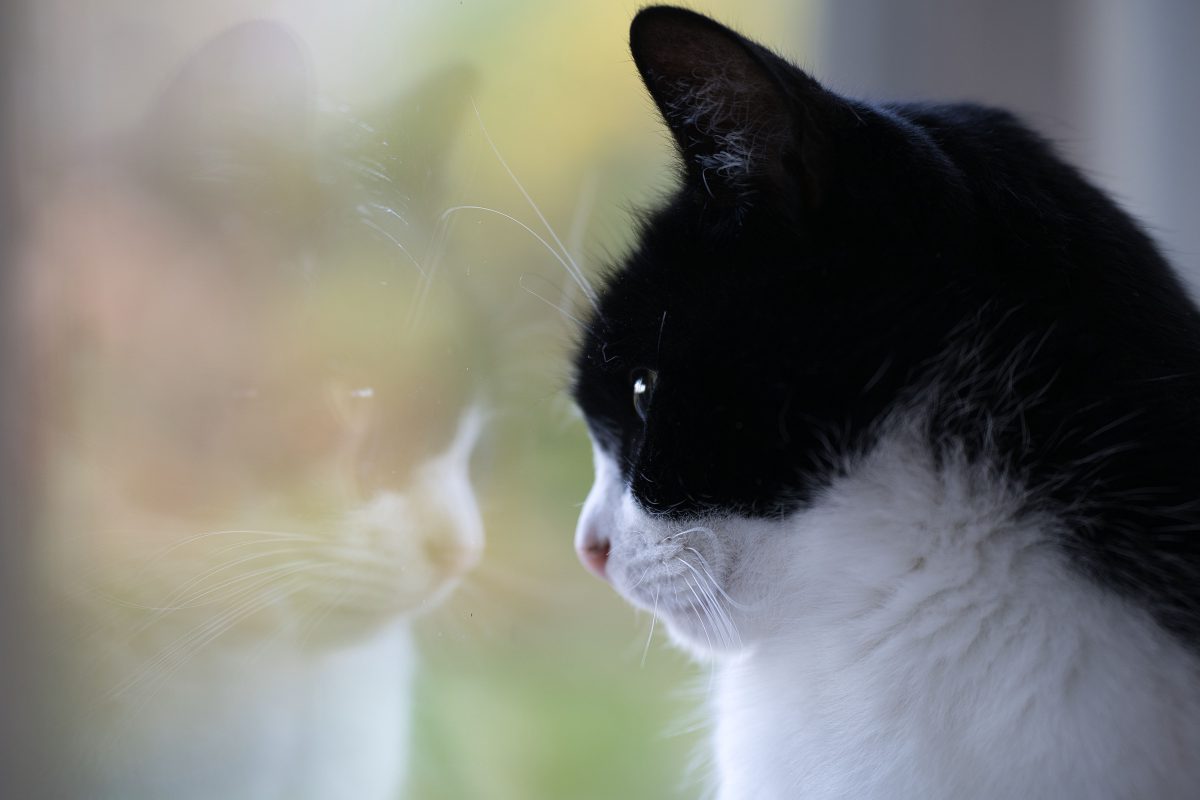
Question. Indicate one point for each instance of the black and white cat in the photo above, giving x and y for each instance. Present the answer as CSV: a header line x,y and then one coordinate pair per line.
x,y
897,419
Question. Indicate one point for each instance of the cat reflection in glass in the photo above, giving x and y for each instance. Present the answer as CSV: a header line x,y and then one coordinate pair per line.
x,y
255,449
896,420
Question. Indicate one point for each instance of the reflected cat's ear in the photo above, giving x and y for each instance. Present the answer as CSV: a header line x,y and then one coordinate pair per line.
x,y
745,121
231,133
252,80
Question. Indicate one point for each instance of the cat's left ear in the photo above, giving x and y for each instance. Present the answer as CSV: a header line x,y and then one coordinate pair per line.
x,y
745,121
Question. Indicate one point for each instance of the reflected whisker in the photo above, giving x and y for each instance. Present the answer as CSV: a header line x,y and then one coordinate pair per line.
x,y
399,246
436,250
229,532
179,599
197,643
203,633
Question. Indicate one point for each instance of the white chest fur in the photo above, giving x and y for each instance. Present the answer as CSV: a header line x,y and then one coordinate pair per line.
x,y
930,642
916,634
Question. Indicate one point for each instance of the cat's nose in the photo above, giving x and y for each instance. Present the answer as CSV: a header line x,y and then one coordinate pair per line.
x,y
593,552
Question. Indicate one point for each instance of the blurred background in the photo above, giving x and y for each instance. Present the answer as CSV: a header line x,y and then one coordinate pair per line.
x,y
261,260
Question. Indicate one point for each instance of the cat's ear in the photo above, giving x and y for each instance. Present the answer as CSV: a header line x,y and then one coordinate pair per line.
x,y
745,121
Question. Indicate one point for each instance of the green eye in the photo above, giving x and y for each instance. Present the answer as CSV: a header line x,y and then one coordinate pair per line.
x,y
643,390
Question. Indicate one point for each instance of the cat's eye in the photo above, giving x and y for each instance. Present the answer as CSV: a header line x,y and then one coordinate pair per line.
x,y
643,390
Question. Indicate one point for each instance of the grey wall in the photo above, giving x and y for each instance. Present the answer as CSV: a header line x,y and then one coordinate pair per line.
x,y
16,667
27,764
1115,82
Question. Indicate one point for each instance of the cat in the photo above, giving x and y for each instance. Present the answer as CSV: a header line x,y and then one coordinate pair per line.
x,y
255,433
896,420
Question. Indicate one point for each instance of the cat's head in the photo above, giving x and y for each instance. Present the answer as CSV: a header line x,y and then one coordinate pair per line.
x,y
824,264
255,381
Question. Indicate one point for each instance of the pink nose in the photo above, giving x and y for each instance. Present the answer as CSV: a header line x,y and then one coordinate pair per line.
x,y
594,555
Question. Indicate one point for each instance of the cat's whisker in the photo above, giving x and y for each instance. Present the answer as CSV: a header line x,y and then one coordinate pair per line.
x,y
588,291
644,574
722,623
712,587
653,619
702,619
701,578
579,220
578,278
734,635
704,565
559,309
712,673
685,532
662,326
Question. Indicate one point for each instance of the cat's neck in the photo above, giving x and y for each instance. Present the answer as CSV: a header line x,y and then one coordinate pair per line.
x,y
917,615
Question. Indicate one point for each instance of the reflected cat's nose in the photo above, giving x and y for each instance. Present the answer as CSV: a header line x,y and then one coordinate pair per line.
x,y
593,552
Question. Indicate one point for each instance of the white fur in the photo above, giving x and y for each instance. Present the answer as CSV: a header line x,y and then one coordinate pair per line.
x,y
913,634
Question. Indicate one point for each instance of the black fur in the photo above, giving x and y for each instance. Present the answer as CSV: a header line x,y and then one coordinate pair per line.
x,y
932,256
